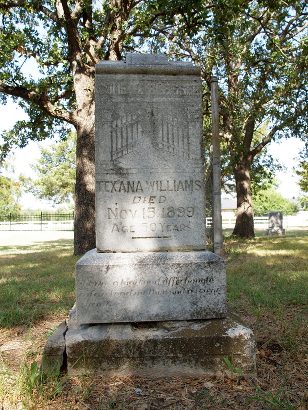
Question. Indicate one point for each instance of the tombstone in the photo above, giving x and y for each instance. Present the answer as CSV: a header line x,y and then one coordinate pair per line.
x,y
150,299
275,224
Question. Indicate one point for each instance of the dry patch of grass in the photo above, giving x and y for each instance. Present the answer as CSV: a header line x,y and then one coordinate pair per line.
x,y
267,286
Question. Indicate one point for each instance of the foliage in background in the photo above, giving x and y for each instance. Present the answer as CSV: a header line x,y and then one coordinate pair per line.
x,y
302,172
9,195
303,202
257,50
63,41
270,200
56,170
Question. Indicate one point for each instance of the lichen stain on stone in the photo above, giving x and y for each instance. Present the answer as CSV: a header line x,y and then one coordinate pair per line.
x,y
239,331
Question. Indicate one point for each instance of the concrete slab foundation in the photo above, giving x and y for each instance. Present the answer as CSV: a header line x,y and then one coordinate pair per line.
x,y
54,354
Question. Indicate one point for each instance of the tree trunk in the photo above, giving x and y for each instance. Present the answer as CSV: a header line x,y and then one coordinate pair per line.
x,y
244,225
84,226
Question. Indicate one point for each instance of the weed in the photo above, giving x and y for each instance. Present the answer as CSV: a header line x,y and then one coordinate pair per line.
x,y
272,401
31,379
235,370
36,385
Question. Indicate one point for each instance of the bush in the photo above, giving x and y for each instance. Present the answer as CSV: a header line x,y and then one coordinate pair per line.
x,y
270,200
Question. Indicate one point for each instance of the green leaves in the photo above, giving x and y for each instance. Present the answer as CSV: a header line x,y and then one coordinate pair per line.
x,y
9,195
270,200
56,171
302,172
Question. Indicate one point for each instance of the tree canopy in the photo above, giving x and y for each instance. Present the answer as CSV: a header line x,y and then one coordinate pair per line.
x,y
257,49
9,196
267,200
56,170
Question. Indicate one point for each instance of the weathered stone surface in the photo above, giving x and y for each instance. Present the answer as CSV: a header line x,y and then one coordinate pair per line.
x,y
54,351
149,286
160,349
149,163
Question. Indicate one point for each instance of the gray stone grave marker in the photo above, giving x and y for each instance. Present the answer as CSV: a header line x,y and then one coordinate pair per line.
x,y
150,264
149,163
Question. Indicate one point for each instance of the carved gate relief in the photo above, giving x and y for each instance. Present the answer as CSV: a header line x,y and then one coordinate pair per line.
x,y
164,131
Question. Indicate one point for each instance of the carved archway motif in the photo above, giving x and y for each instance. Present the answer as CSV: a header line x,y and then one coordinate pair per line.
x,y
169,133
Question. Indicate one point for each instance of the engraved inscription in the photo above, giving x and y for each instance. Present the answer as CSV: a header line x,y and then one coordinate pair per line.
x,y
149,162
147,212
143,87
170,281
120,186
150,212
172,285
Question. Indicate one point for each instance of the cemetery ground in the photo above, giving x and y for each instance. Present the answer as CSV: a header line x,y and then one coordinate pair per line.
x,y
267,288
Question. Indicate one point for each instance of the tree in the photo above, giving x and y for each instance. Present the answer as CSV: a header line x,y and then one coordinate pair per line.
x,y
270,200
56,170
257,49
302,172
65,39
9,195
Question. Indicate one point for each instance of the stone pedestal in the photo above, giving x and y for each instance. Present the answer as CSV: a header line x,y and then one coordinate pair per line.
x,y
149,286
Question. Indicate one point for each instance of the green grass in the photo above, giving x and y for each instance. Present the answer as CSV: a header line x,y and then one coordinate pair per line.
x,y
267,279
268,272
267,285
35,282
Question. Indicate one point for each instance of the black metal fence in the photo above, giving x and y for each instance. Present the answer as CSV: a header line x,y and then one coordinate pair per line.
x,y
38,222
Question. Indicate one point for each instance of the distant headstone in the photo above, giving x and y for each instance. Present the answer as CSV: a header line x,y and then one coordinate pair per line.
x,y
275,224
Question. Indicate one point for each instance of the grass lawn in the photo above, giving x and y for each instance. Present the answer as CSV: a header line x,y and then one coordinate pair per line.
x,y
267,287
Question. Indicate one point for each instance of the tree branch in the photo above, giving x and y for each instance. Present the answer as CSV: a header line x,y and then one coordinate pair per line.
x,y
249,130
266,140
271,134
72,34
36,5
150,21
39,99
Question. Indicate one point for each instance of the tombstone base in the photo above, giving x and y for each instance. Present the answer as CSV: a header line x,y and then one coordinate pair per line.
x,y
149,286
275,232
174,348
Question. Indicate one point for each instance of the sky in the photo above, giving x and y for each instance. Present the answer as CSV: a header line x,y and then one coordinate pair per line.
x,y
22,159
285,152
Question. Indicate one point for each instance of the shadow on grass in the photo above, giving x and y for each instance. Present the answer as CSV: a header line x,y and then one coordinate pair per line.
x,y
36,281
